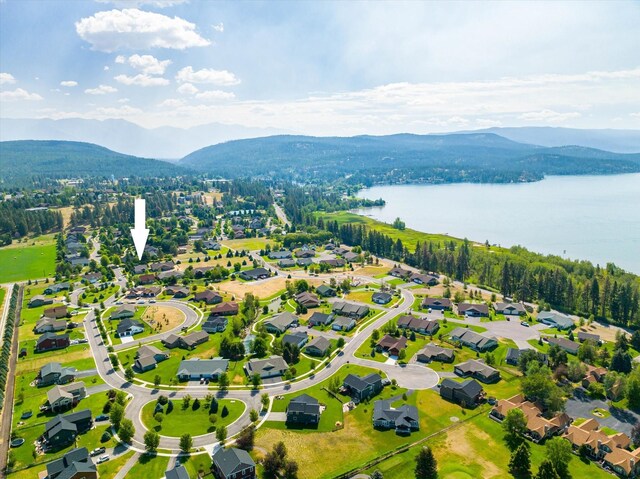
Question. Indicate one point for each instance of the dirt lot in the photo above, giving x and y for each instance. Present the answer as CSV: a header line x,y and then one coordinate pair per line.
x,y
606,333
262,289
458,443
166,316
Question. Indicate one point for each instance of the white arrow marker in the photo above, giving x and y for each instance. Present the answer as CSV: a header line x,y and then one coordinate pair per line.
x,y
139,233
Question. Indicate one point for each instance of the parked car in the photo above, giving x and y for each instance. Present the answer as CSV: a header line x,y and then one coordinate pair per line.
x,y
152,301
102,417
525,324
104,458
118,302
98,451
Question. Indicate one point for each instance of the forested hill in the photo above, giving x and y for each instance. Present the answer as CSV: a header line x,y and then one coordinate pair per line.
x,y
483,157
23,162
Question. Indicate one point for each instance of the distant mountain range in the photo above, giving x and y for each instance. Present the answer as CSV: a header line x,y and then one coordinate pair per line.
x,y
404,158
165,143
473,157
173,143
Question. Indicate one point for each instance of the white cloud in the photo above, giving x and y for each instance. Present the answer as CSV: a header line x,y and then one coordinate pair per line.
x,y
138,30
215,95
187,89
124,100
101,90
124,110
139,3
549,116
487,122
635,115
171,103
106,68
149,64
120,59
69,83
19,94
219,27
6,79
141,80
207,75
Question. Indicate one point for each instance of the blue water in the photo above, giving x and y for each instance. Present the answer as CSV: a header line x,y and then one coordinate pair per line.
x,y
596,218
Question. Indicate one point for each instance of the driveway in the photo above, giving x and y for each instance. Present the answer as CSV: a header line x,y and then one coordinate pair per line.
x,y
411,376
581,405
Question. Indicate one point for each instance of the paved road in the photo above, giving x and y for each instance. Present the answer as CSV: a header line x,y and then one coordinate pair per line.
x,y
581,405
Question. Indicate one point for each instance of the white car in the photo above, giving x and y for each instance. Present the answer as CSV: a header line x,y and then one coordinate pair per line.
x,y
104,458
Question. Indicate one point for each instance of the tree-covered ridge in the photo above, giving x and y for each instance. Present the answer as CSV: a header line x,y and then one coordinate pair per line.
x,y
403,158
27,162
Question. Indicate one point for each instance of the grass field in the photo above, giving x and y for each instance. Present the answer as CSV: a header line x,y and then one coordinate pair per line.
x,y
109,469
195,421
149,467
27,262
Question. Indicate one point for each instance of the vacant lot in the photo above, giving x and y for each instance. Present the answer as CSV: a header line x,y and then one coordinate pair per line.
x,y
27,262
166,317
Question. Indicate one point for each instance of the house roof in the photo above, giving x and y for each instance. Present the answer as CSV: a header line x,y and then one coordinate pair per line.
x,y
431,350
307,297
76,460
564,343
346,308
401,416
318,317
479,307
295,338
58,392
343,321
533,414
203,366
446,302
470,337
321,343
476,366
147,350
381,295
304,404
125,308
232,460
273,363
359,383
48,336
178,472
227,307
126,324
66,422
517,307
470,387
255,273
282,320
391,342
557,318
324,289
583,336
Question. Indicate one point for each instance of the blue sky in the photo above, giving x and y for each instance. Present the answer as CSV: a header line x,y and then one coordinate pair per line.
x,y
323,68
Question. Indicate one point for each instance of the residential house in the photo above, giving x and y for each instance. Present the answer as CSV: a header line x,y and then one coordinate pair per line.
x,y
39,300
51,342
438,304
584,336
196,369
426,279
61,398
75,464
215,324
92,278
303,410
199,273
477,369
308,300
49,325
433,352
343,323
146,278
361,388
62,430
56,288
54,373
233,463
212,245
286,263
594,375
304,262
178,472
510,309
612,449
569,346
538,427
381,297
356,311
56,312
170,274
208,296
418,325
279,323
229,308
298,339
164,266
468,393
398,272
190,341
513,356
254,274
475,310
403,419
305,253
350,257
266,368
319,319
333,262
473,340
147,357
124,311
325,291
282,254
129,327
391,344
177,291
139,269
319,346
556,320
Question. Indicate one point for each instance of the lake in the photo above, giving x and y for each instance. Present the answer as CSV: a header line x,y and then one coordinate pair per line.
x,y
596,218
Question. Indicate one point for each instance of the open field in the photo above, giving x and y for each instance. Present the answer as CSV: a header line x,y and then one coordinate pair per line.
x,y
195,421
109,469
247,244
149,467
27,262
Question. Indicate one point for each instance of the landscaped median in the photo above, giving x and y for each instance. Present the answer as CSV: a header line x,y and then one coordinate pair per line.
x,y
195,416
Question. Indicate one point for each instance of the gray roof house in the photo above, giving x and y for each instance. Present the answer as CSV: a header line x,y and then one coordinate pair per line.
x,y
254,274
303,410
178,472
468,393
477,369
215,324
569,346
324,290
318,346
403,419
357,311
473,309
196,369
433,352
381,297
124,311
266,368
343,323
298,338
129,327
475,341
510,309
363,387
319,319
54,373
233,463
556,320
281,322
61,398
282,254
74,464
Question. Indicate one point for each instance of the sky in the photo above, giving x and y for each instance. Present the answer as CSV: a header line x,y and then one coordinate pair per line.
x,y
323,68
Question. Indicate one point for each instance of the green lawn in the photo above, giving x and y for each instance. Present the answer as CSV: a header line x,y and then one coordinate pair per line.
x,y
196,464
109,469
20,263
94,295
149,467
194,421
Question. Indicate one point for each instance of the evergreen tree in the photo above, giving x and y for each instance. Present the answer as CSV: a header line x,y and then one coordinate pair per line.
x,y
546,471
426,464
520,463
